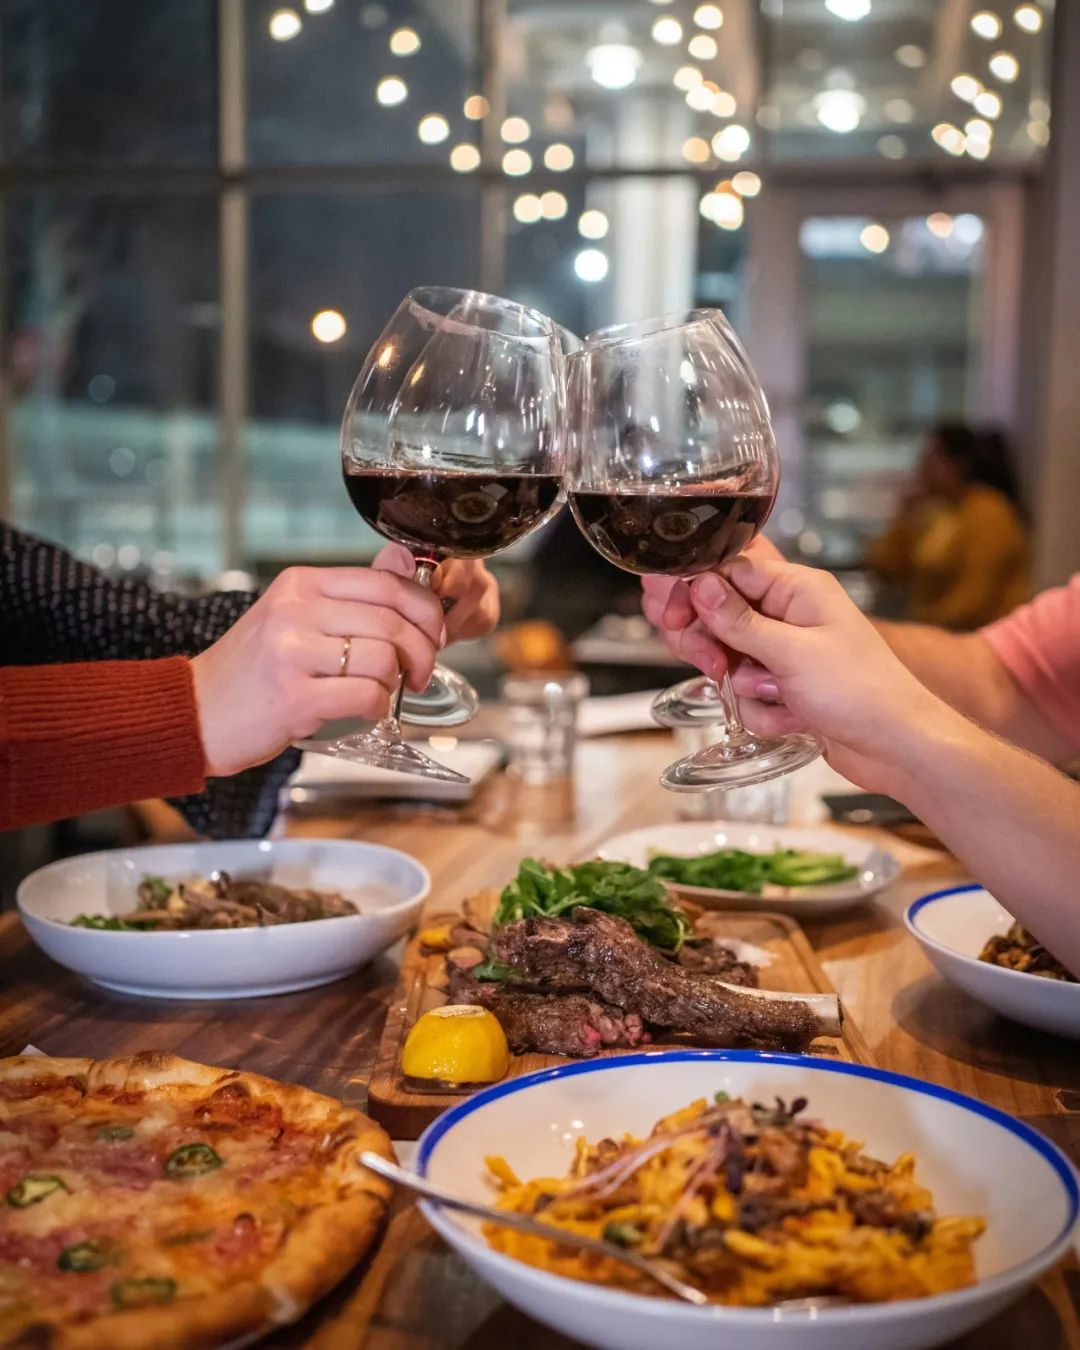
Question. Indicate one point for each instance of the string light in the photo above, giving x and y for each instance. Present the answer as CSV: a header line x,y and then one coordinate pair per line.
x,y
686,78
404,41
978,130
911,56
709,16
284,24
591,264
699,98
328,325
695,150
746,183
527,209
1005,66
891,147
966,87
464,158
476,106
515,130
899,110
986,25
516,163
391,91
593,224
558,157
1028,18
433,129
874,238
950,138
703,47
988,103
554,205
318,6
667,31
939,223
723,104
849,10
731,143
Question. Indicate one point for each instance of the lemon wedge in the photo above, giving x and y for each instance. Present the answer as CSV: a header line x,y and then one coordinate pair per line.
x,y
456,1044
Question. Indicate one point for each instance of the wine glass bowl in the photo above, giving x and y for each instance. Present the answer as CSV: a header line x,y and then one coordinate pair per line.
x,y
672,468
451,444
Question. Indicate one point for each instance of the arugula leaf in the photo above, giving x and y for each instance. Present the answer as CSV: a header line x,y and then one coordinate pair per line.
x,y
631,893
157,889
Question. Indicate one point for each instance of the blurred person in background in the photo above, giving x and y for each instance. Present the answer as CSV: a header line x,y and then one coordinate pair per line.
x,y
111,691
957,551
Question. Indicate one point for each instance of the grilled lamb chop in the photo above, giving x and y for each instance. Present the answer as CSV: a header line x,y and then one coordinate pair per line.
x,y
552,1024
603,954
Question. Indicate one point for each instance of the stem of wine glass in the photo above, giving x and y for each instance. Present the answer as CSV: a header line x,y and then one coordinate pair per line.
x,y
732,720
390,726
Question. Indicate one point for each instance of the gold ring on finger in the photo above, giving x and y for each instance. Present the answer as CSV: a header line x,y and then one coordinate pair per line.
x,y
346,648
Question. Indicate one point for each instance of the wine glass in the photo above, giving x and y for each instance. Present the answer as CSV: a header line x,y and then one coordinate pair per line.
x,y
449,699
452,445
672,468
698,700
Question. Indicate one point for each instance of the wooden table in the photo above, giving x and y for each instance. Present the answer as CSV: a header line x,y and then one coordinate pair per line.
x,y
415,1294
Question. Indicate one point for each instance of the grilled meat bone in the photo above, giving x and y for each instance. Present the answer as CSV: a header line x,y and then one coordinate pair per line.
x,y
602,954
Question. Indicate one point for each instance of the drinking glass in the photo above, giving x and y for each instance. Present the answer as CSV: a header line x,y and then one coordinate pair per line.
x,y
452,445
672,468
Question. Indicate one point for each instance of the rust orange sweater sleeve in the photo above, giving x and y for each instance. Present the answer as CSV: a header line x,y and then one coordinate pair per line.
x,y
85,736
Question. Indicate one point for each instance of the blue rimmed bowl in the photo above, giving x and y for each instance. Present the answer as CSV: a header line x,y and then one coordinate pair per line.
x,y
975,1159
952,927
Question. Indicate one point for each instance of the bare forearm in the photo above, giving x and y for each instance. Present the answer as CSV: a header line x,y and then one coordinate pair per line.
x,y
1012,819
963,671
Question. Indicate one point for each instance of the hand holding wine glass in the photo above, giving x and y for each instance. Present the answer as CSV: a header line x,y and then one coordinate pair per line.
x,y
673,469
452,446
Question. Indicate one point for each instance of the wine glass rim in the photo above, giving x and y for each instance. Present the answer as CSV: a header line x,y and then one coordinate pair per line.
x,y
638,330
422,300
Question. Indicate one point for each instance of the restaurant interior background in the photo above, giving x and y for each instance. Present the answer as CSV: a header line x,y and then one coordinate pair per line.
x,y
209,210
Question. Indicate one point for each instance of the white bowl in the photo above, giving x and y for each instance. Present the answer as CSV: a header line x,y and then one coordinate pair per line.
x,y
953,926
877,869
387,886
976,1160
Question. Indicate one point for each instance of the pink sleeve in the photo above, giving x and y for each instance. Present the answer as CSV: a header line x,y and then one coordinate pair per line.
x,y
1039,645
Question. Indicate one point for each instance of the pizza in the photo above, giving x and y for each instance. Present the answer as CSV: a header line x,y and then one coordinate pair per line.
x,y
153,1202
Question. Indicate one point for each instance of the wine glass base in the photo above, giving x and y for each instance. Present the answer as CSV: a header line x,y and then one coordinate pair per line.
x,y
448,701
692,703
741,763
378,752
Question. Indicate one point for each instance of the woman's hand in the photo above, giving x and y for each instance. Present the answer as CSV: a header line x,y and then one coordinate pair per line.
x,y
275,676
466,582
823,663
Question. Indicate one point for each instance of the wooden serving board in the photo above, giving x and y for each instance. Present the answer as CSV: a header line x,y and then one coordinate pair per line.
x,y
406,1114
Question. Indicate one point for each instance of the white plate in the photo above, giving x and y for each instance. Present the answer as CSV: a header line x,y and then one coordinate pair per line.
x,y
877,869
976,1160
387,886
952,927
326,776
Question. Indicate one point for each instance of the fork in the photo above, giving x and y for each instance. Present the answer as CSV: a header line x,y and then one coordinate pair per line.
x,y
525,1223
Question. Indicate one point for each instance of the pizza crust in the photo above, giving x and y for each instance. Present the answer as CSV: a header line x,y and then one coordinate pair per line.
x,y
327,1241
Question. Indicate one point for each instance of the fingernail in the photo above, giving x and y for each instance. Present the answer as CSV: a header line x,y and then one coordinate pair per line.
x,y
443,639
767,690
711,591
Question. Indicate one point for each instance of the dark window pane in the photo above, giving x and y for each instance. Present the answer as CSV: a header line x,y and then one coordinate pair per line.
x,y
354,258
112,336
314,97
120,82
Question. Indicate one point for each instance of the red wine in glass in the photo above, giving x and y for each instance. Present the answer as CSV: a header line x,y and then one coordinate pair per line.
x,y
441,515
674,532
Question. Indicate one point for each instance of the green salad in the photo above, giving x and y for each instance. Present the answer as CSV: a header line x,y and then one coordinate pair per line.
x,y
733,869
636,895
